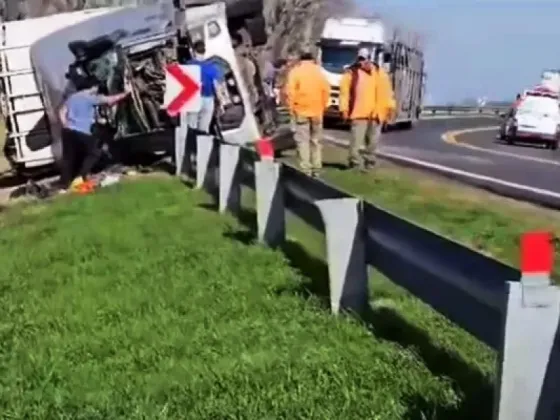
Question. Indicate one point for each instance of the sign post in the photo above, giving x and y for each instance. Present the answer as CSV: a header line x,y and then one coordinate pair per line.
x,y
182,96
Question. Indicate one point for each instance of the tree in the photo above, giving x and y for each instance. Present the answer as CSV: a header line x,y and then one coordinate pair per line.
x,y
297,23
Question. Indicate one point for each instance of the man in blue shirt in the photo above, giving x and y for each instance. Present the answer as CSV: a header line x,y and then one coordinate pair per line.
x,y
210,74
80,149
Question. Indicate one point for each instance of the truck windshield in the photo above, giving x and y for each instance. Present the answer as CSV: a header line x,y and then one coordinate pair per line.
x,y
334,59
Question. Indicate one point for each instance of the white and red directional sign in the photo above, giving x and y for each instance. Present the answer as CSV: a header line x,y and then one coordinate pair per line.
x,y
182,89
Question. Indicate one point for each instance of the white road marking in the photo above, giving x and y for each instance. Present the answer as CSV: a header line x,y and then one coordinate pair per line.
x,y
453,171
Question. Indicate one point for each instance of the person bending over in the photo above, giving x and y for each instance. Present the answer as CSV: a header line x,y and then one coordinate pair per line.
x,y
80,149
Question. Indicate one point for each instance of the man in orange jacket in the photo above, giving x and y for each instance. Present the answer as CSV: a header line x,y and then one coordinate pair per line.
x,y
307,94
367,100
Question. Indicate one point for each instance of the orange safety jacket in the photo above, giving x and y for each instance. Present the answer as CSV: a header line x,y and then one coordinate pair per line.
x,y
366,94
308,90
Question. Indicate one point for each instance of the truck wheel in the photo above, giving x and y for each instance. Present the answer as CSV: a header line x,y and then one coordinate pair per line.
x,y
553,145
407,125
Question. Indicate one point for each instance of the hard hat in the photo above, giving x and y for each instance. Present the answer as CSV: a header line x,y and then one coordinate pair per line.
x,y
364,53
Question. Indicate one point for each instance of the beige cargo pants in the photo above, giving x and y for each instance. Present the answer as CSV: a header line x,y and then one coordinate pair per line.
x,y
308,135
365,135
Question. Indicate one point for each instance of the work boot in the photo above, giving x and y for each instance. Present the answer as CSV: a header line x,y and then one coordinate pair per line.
x,y
316,174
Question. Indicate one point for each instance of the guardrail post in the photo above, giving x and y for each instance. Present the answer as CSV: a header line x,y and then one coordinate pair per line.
x,y
230,187
344,231
529,361
271,219
204,155
181,132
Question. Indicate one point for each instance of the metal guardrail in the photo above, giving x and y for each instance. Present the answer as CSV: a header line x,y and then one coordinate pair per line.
x,y
476,292
440,110
458,109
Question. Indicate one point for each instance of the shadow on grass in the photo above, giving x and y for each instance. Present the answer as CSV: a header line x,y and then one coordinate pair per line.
x,y
475,389
386,324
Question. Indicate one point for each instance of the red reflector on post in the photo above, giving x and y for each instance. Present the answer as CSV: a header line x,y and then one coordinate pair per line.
x,y
537,252
265,149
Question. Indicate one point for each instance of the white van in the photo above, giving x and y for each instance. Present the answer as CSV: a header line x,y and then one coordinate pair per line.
x,y
536,120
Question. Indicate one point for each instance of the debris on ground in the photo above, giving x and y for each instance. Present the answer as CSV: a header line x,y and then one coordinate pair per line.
x,y
42,190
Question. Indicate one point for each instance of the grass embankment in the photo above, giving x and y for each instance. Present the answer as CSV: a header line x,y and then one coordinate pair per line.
x,y
482,220
140,303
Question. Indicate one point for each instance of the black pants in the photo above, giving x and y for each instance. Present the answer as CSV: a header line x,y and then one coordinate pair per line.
x,y
80,153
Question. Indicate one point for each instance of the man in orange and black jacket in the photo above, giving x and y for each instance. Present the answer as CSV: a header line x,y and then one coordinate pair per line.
x,y
367,100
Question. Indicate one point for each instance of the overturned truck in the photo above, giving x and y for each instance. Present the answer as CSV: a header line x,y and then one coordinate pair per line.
x,y
123,47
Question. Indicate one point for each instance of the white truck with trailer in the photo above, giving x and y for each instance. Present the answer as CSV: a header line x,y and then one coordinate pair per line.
x,y
402,58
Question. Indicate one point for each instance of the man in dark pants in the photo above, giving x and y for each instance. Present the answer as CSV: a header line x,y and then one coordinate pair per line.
x,y
80,149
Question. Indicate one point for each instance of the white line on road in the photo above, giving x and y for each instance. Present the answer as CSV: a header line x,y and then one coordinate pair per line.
x,y
453,171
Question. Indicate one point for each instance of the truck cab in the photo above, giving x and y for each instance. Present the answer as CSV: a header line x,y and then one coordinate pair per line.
x,y
398,54
340,41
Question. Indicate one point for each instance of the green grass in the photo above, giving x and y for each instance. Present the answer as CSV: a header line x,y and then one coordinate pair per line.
x,y
484,221
140,303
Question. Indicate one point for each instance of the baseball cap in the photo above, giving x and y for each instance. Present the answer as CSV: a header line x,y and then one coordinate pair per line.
x,y
363,53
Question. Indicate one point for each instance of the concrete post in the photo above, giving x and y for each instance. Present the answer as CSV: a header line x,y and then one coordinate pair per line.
x,y
204,152
230,187
271,219
348,275
529,362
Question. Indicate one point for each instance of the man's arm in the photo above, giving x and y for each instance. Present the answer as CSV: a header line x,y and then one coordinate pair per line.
x,y
111,99
344,95
63,115
291,88
326,91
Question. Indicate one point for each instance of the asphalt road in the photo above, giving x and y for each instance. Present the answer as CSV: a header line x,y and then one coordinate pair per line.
x,y
470,153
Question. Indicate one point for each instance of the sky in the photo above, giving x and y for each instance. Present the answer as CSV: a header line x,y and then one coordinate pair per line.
x,y
480,48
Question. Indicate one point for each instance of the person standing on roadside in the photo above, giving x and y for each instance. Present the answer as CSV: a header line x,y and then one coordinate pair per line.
x,y
367,100
80,148
210,76
308,93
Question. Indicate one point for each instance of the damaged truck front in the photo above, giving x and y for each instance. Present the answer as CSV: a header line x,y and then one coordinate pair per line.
x,y
126,47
